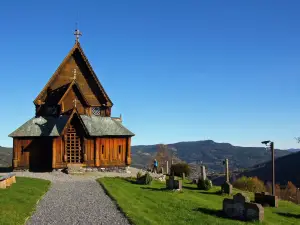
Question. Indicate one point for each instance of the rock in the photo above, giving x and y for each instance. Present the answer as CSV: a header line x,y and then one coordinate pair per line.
x,y
162,178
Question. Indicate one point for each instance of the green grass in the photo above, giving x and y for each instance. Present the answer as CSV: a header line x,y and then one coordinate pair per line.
x,y
19,200
145,204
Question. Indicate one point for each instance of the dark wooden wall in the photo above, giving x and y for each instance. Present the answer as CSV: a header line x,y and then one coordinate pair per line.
x,y
33,153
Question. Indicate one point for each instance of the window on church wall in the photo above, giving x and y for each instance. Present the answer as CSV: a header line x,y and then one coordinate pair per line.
x,y
102,150
120,149
96,111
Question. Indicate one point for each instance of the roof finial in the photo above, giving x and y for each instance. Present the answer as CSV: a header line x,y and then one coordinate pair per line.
x,y
77,33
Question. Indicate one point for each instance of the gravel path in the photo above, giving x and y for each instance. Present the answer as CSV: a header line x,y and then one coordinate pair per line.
x,y
76,202
76,199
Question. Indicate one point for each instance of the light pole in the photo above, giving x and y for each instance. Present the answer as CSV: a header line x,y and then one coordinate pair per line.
x,y
271,145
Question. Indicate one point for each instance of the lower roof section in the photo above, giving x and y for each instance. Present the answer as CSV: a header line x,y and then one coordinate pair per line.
x,y
53,126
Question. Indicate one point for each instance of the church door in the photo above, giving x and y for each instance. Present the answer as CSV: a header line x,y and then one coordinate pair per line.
x,y
73,146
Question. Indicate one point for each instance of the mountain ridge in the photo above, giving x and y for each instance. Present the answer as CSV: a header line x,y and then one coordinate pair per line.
x,y
210,153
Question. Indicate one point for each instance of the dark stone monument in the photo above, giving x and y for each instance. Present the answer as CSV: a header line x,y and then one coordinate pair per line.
x,y
240,208
172,184
266,199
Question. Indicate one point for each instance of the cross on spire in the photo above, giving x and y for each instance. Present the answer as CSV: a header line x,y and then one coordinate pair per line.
x,y
77,34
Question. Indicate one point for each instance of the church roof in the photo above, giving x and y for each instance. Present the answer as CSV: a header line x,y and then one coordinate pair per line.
x,y
76,48
53,126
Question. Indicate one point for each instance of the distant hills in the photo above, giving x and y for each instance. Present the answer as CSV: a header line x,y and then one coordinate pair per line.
x,y
5,156
286,169
293,150
209,153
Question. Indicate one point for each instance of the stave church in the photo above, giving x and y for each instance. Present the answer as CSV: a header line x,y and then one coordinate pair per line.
x,y
72,122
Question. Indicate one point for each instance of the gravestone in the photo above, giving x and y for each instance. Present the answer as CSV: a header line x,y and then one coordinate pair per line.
x,y
203,172
240,208
266,199
172,184
226,186
183,176
167,167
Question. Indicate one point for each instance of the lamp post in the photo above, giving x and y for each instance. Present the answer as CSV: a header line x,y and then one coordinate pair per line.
x,y
270,144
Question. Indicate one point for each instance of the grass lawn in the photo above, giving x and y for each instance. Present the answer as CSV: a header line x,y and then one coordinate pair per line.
x,y
145,204
19,200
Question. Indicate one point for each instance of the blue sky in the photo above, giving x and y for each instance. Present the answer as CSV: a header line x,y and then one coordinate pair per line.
x,y
177,70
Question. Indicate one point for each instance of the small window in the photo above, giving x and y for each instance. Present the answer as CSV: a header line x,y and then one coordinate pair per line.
x,y
102,149
119,149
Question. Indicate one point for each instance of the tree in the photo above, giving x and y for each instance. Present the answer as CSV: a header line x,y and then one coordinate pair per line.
x,y
162,155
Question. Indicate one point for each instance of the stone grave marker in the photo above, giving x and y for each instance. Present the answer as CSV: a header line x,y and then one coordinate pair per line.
x,y
172,184
266,199
226,186
240,208
203,172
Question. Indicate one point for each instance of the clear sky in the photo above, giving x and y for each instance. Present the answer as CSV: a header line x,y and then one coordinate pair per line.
x,y
177,70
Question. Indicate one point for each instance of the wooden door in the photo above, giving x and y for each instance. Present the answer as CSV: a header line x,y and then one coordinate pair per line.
x,y
73,146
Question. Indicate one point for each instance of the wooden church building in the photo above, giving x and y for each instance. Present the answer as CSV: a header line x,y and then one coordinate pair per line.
x,y
72,123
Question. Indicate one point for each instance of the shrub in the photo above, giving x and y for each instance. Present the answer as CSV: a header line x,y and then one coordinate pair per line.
x,y
204,184
180,168
145,179
252,184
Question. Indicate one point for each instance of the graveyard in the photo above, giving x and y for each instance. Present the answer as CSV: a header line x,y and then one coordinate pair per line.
x,y
154,204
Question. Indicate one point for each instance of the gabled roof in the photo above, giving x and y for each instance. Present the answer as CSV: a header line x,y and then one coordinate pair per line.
x,y
75,47
41,126
54,126
74,113
71,85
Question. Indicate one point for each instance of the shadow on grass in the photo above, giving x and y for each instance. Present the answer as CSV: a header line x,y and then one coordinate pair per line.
x,y
131,181
290,215
190,188
216,213
155,189
211,193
